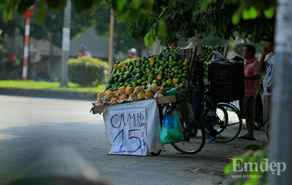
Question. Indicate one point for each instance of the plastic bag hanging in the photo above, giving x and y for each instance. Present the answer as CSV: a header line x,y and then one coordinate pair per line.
x,y
171,131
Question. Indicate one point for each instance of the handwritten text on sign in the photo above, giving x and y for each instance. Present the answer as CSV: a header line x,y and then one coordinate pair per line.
x,y
128,130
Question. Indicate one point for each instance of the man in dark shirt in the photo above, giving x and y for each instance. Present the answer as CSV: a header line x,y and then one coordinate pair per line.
x,y
197,88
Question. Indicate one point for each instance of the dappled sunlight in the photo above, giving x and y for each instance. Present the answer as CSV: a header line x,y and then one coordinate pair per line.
x,y
36,111
8,137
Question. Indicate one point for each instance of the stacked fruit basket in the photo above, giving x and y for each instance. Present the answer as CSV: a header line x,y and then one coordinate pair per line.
x,y
227,81
146,78
209,54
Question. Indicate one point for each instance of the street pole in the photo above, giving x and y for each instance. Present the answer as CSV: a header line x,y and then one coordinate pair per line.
x,y
27,14
281,122
65,43
26,48
110,57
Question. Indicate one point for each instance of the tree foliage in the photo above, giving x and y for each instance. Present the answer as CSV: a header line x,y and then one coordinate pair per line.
x,y
149,19
100,19
188,18
53,24
97,16
2,41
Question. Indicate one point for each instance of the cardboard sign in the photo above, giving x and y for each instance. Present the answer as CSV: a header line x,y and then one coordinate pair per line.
x,y
128,124
128,130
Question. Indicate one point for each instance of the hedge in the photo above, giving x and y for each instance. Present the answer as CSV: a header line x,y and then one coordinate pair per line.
x,y
87,71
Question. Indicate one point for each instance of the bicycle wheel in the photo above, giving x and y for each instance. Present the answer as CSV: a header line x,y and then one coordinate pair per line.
x,y
233,125
217,116
195,140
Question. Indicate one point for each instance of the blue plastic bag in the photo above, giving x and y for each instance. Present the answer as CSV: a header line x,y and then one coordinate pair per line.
x,y
171,131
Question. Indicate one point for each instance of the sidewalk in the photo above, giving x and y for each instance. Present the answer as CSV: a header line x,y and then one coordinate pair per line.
x,y
214,174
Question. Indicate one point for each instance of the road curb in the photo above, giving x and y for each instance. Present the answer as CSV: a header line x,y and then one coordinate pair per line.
x,y
44,93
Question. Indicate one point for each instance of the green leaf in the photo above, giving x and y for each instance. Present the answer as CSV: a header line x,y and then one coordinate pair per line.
x,y
245,14
78,35
236,17
2,4
97,2
56,5
228,169
204,4
162,29
162,12
252,147
172,3
40,16
149,38
5,15
82,5
253,13
269,13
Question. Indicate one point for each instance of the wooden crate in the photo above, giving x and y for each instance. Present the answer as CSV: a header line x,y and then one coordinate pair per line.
x,y
161,100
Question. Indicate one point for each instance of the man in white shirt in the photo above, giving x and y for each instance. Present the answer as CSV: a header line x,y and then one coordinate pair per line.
x,y
269,67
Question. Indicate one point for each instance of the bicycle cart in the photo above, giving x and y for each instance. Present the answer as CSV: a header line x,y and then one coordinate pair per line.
x,y
194,133
226,85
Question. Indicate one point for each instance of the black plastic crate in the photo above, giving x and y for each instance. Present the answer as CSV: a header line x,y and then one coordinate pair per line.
x,y
227,91
225,72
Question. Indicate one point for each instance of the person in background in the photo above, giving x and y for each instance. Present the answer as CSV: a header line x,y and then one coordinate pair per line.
x,y
252,83
42,70
269,66
197,91
132,53
83,51
173,43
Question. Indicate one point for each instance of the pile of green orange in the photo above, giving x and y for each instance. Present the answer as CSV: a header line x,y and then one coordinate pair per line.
x,y
170,49
208,56
165,71
209,51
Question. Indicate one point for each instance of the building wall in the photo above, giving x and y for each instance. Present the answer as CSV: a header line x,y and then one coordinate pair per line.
x,y
98,46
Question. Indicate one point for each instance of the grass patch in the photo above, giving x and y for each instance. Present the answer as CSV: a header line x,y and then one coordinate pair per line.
x,y
49,85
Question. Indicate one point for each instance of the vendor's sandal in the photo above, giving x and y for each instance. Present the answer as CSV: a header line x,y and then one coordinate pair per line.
x,y
212,139
243,137
249,137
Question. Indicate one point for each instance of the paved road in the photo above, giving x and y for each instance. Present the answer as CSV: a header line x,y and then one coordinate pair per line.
x,y
30,127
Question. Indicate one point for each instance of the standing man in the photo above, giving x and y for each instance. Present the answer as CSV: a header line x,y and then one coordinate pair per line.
x,y
197,90
252,83
83,51
132,53
268,65
173,43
